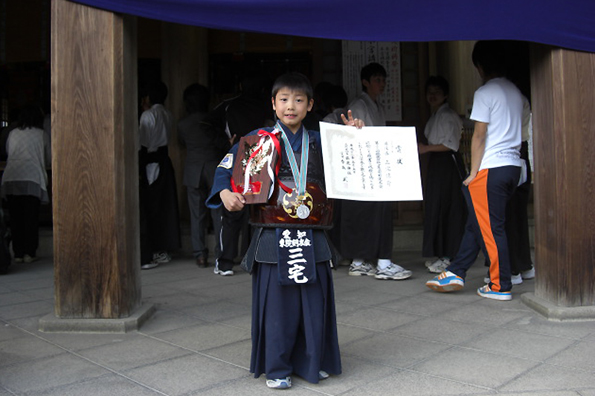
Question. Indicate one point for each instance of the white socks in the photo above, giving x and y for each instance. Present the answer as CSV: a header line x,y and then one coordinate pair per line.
x,y
383,263
357,262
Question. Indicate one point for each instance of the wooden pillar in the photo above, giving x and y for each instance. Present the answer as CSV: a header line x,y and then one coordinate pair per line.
x,y
94,164
563,102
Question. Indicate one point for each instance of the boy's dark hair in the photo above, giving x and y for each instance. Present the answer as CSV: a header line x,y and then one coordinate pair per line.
x,y
491,56
295,82
157,92
440,82
335,96
31,116
371,70
196,98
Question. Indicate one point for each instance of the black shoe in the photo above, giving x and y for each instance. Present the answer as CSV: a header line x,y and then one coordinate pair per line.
x,y
201,262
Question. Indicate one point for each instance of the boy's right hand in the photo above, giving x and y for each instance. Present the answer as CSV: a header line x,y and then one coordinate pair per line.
x,y
350,121
232,201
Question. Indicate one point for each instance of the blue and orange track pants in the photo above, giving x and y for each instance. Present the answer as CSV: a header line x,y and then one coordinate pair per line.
x,y
486,198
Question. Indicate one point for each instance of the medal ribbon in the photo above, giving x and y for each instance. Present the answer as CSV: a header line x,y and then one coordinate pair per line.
x,y
299,175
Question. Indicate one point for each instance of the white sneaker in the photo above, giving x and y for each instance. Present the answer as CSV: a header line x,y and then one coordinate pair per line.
x,y
225,273
529,274
393,272
428,263
364,269
439,265
161,257
150,265
279,383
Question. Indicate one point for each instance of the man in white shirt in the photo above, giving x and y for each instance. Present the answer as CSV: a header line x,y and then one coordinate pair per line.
x,y
495,171
160,227
366,228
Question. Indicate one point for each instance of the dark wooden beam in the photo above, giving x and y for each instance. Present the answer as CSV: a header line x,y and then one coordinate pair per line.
x,y
94,165
563,102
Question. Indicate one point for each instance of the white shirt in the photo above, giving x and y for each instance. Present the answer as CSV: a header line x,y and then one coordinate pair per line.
x,y
364,108
499,103
28,158
444,127
155,127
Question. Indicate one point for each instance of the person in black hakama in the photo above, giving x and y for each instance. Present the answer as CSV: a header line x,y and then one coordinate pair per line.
x,y
366,234
158,198
445,209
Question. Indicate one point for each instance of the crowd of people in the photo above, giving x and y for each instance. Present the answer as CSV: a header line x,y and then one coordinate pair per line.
x,y
291,251
288,244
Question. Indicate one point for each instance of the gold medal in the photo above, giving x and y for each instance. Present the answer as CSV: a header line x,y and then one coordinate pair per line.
x,y
298,206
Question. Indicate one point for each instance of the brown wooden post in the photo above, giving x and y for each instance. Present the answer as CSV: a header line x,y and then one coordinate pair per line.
x,y
563,102
94,164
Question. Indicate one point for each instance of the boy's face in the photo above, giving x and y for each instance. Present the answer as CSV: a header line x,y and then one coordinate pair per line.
x,y
435,96
291,107
375,87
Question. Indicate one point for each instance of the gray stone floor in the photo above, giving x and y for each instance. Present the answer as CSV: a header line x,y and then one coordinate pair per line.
x,y
396,338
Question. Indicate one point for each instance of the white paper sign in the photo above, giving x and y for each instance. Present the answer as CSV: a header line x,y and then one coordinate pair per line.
x,y
371,164
357,54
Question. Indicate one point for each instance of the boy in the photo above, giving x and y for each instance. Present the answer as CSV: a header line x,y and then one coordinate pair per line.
x,y
367,227
495,171
294,327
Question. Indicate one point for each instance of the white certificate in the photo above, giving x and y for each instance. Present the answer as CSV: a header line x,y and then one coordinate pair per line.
x,y
371,164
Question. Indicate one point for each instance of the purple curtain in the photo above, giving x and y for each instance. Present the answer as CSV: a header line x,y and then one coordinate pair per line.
x,y
569,23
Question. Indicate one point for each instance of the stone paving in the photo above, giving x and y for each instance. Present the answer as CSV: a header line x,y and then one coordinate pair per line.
x,y
396,338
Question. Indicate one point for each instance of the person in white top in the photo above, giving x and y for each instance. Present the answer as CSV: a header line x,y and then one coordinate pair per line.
x,y
25,179
160,227
445,212
517,219
366,234
495,171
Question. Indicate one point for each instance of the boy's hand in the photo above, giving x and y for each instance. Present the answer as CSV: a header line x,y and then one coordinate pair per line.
x,y
350,121
469,178
232,201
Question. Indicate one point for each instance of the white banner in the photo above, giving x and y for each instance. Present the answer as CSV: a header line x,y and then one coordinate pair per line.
x,y
371,164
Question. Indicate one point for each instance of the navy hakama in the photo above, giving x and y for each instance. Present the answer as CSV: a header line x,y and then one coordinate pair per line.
x,y
294,328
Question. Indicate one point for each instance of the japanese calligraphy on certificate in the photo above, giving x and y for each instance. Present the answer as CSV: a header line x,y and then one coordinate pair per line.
x,y
371,164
